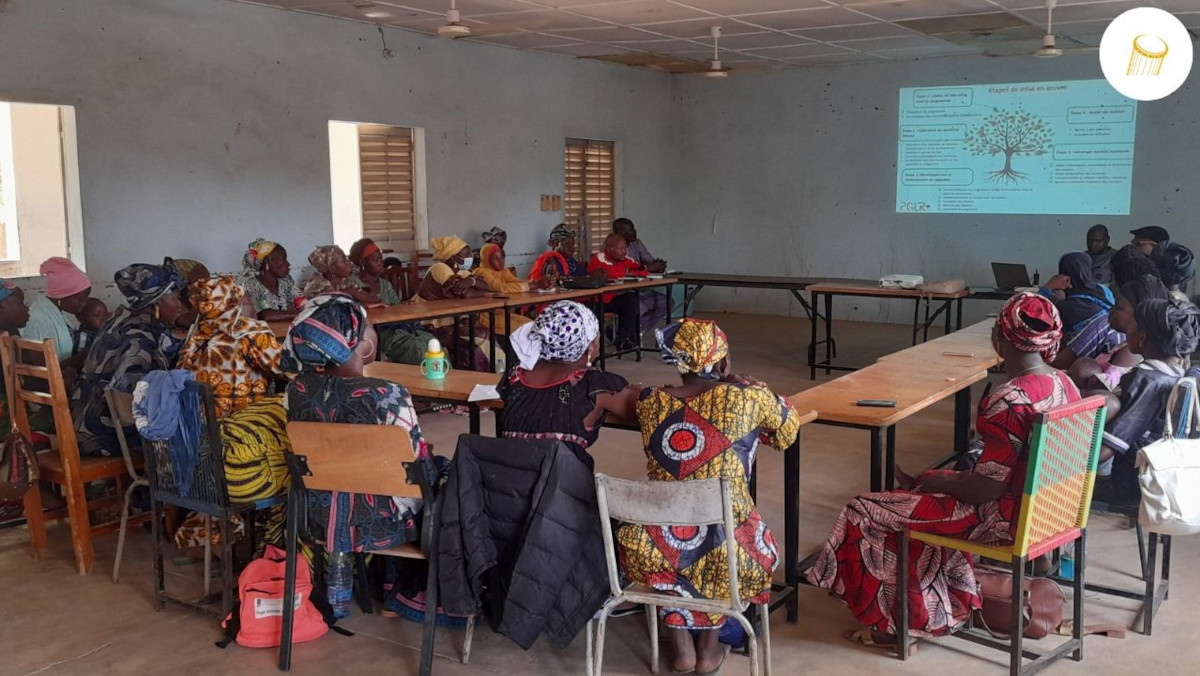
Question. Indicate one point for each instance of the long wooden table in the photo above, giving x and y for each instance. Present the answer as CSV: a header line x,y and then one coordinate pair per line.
x,y
951,304
788,593
455,388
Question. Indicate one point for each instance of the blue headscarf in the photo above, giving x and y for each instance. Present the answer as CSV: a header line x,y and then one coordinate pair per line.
x,y
325,333
143,284
6,288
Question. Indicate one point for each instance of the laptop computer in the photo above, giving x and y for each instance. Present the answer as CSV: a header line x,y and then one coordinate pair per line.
x,y
1010,276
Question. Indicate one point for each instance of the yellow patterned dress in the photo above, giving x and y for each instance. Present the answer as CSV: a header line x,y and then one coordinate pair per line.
x,y
712,435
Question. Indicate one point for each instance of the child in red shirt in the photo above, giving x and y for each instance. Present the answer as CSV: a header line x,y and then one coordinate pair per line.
x,y
615,265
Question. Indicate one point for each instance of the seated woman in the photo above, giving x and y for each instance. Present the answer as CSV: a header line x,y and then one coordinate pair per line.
x,y
1076,294
1176,267
980,504
191,271
14,316
137,339
705,428
266,277
500,278
53,315
335,274
1167,332
1102,374
399,343
328,344
448,278
554,393
560,260
497,236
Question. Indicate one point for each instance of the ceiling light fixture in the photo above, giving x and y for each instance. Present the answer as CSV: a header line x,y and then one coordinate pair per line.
x,y
715,70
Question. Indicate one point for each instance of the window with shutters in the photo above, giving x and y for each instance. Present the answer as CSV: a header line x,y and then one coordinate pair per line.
x,y
377,185
590,191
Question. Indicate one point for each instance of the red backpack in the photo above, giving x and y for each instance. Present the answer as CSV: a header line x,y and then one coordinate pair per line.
x,y
256,620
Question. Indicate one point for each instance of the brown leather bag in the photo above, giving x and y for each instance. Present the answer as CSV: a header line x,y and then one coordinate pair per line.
x,y
18,463
1042,606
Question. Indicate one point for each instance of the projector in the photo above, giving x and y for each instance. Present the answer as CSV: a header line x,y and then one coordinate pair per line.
x,y
901,281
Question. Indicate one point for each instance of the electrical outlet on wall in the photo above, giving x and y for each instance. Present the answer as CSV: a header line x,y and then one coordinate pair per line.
x,y
556,203
545,203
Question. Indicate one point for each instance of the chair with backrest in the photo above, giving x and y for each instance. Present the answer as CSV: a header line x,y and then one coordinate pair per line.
x,y
120,410
1064,449
367,459
701,503
199,488
40,382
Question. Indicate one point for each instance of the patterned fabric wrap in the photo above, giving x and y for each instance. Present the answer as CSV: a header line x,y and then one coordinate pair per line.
x,y
1170,325
562,332
1015,326
324,334
693,346
485,254
235,355
495,236
323,257
560,234
143,284
444,248
256,255
1176,264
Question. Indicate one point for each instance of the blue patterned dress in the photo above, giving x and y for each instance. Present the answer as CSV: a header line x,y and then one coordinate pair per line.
x,y
355,522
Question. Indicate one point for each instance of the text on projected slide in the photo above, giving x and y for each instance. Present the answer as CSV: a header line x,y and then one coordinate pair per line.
x,y
1023,148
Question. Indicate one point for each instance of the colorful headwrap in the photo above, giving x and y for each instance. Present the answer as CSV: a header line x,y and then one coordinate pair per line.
x,y
362,250
485,254
6,288
218,301
143,284
324,334
1031,323
561,233
323,257
562,332
1172,326
445,248
693,346
187,267
256,255
495,236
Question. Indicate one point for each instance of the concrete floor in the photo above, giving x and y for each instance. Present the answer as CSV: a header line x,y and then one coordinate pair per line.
x,y
56,622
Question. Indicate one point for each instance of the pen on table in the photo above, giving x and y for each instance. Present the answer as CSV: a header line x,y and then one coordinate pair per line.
x,y
958,354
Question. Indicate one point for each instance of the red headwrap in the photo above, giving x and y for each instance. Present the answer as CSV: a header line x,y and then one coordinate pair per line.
x,y
1031,323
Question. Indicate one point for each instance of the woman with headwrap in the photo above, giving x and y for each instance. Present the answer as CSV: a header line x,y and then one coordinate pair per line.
x,y
53,315
266,277
401,343
135,340
335,274
1077,295
1176,267
450,277
329,343
560,260
554,393
1105,354
707,427
1166,333
191,271
857,562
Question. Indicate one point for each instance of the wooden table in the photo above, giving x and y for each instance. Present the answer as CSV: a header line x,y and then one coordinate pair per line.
x,y
950,303
970,346
788,594
913,385
455,388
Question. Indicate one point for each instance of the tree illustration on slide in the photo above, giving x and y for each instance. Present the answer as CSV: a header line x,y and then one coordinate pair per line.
x,y
1012,133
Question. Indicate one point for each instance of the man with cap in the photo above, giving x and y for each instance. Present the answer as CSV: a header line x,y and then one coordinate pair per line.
x,y
53,315
1149,237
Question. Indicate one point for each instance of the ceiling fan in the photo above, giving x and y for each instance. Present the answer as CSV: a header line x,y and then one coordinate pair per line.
x,y
1049,48
454,27
715,70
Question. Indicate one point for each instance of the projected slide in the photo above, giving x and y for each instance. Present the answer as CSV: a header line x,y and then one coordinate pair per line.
x,y
1023,148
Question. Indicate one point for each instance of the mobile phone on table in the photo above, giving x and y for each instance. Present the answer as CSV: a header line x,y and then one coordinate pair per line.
x,y
877,403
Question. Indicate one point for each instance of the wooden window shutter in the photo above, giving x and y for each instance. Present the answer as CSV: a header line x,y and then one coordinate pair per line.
x,y
589,194
385,157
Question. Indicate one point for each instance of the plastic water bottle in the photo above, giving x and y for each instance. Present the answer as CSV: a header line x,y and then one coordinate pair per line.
x,y
339,578
1066,565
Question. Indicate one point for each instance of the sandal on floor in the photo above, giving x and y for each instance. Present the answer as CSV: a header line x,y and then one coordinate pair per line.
x,y
725,650
864,637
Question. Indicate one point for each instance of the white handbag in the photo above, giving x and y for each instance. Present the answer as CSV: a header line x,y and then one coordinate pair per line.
x,y
1169,469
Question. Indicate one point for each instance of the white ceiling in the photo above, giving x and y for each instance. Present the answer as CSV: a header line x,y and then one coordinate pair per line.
x,y
673,35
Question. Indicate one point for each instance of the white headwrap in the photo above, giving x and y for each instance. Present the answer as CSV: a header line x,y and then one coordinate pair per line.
x,y
562,332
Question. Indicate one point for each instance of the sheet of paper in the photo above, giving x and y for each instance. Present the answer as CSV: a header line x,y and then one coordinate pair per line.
x,y
483,393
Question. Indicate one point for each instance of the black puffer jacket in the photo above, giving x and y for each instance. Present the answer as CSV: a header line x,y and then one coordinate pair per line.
x,y
520,518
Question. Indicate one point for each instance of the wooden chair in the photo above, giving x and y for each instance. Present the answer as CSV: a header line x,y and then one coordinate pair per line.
x,y
369,459
703,502
1064,449
43,385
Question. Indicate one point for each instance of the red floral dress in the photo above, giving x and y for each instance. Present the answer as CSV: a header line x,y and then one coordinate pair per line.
x,y
858,561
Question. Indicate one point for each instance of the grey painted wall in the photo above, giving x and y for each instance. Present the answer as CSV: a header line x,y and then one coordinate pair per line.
x,y
794,173
203,123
